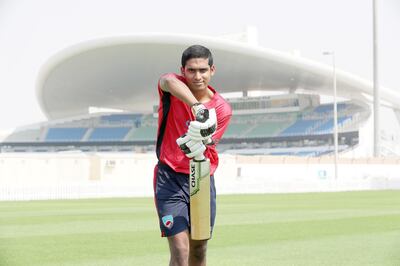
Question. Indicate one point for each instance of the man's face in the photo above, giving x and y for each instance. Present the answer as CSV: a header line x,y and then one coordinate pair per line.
x,y
197,73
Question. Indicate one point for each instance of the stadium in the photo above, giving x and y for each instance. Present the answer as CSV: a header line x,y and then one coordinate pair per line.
x,y
97,147
121,74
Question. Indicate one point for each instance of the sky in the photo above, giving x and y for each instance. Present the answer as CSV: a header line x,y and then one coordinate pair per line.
x,y
32,31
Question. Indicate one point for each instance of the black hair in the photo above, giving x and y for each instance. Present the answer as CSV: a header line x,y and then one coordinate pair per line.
x,y
196,51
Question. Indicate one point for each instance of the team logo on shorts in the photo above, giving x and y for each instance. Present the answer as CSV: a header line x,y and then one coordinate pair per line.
x,y
168,221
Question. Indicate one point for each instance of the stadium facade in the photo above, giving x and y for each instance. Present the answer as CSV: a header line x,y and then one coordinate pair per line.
x,y
121,73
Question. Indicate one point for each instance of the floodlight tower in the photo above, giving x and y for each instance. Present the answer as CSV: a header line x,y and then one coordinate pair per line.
x,y
335,128
376,82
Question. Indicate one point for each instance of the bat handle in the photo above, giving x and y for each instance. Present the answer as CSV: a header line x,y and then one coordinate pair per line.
x,y
199,158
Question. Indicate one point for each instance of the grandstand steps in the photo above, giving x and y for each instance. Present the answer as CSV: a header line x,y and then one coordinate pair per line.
x,y
43,133
87,134
248,130
130,134
318,125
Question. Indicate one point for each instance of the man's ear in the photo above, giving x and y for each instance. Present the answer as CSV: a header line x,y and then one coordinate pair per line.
x,y
183,71
212,70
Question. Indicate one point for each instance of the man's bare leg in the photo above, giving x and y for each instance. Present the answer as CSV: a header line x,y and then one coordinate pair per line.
x,y
197,254
179,249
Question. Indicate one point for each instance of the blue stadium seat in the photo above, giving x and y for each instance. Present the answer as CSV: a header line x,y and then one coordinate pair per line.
x,y
109,133
326,108
120,118
327,127
300,127
65,134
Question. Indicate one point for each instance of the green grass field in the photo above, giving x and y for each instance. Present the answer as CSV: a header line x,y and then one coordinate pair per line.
x,y
351,228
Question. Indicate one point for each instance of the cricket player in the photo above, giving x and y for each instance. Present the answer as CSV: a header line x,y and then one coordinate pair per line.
x,y
183,98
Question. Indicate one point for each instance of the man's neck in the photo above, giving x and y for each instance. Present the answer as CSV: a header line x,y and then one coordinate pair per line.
x,y
204,96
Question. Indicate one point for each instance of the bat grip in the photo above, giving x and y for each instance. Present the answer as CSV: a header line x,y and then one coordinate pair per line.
x,y
199,158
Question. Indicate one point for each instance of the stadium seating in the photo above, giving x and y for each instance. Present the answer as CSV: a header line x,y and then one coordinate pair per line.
x,y
326,108
267,131
120,118
236,130
328,126
301,127
146,133
109,134
65,134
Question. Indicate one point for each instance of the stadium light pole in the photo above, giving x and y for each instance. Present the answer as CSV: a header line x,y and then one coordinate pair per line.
x,y
335,127
376,81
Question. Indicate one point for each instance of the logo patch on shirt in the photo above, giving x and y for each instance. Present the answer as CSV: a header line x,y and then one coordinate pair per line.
x,y
168,221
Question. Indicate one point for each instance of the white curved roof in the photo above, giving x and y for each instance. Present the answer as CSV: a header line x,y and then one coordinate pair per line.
x,y
122,73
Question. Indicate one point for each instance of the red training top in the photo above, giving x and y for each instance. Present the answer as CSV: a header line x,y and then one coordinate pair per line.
x,y
174,117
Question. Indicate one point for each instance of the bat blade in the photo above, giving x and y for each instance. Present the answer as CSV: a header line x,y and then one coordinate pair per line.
x,y
199,184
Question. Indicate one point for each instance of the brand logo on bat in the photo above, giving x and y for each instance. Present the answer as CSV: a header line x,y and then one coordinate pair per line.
x,y
193,175
194,180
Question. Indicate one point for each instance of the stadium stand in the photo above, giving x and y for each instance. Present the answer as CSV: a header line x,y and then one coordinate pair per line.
x,y
109,133
267,129
328,126
302,132
327,108
147,131
28,135
301,127
143,134
236,130
118,119
65,134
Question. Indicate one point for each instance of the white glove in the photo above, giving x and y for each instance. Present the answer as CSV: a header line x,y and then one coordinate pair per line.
x,y
203,130
200,112
208,141
191,148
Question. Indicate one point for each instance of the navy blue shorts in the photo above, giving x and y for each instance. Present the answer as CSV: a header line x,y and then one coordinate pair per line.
x,y
171,195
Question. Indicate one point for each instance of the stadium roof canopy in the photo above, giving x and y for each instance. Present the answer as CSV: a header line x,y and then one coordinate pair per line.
x,y
122,73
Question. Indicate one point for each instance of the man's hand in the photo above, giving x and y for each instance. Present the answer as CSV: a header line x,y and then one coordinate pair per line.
x,y
203,130
200,112
191,148
208,141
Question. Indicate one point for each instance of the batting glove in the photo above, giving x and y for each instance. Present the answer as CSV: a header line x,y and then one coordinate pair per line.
x,y
200,112
203,130
191,148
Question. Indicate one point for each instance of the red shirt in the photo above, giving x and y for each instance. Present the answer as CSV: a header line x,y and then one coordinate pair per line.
x,y
174,117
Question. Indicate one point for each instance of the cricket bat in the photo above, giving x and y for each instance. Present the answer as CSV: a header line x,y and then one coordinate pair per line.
x,y
199,188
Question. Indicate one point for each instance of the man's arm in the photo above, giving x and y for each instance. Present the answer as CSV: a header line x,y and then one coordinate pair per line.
x,y
206,123
169,83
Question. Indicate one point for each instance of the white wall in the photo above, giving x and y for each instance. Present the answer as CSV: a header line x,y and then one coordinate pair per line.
x,y
60,176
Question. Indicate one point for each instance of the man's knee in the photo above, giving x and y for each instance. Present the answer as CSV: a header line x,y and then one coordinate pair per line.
x,y
180,254
198,250
179,249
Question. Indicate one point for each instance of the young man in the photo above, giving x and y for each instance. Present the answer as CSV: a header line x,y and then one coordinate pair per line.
x,y
183,98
